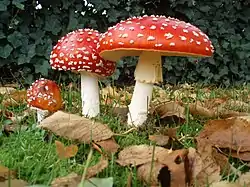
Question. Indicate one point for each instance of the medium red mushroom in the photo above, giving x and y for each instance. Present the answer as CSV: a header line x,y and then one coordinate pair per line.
x,y
45,97
77,52
150,38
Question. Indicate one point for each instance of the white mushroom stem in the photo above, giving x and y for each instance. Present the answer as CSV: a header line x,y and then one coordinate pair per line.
x,y
90,95
41,114
148,71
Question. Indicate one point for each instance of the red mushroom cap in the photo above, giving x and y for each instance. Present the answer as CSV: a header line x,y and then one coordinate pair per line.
x,y
77,51
45,95
169,36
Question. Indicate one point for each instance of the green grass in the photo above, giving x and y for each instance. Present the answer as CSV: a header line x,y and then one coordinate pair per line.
x,y
35,159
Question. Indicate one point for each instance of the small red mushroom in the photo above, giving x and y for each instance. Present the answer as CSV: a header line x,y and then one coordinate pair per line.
x,y
151,37
45,97
77,52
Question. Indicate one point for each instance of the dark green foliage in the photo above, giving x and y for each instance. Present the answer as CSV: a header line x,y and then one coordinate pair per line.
x,y
27,35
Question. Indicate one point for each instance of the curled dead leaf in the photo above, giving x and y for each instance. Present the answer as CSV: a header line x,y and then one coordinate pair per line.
x,y
171,112
160,140
169,170
109,145
139,154
222,107
197,109
75,127
6,173
112,94
222,161
168,160
149,173
15,98
194,165
6,90
208,170
231,133
65,152
225,184
71,180
14,183
99,167
244,179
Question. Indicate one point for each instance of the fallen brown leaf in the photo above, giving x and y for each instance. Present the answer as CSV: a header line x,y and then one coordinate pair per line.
x,y
109,145
197,109
194,164
99,167
139,154
225,184
171,112
171,132
6,173
112,94
64,152
240,155
6,90
15,98
121,111
71,180
8,176
207,170
75,127
222,107
231,133
149,173
142,156
14,183
222,161
160,140
244,179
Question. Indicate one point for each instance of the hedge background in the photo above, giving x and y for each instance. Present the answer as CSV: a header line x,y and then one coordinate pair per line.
x,y
27,35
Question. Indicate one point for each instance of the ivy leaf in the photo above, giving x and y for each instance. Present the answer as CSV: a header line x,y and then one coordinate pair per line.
x,y
114,2
41,66
37,36
18,4
223,71
204,8
66,4
73,21
22,59
100,4
45,49
246,46
15,39
4,4
5,51
2,35
32,51
113,15
53,24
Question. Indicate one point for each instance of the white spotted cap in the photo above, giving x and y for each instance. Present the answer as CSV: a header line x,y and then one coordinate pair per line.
x,y
169,36
77,52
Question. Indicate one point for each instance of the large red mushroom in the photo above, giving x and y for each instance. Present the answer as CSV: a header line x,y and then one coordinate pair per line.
x,y
77,52
150,38
45,97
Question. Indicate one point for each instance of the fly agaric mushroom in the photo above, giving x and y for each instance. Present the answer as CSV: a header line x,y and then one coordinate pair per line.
x,y
151,37
77,52
45,97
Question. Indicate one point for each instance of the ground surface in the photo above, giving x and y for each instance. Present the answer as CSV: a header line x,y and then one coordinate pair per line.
x,y
31,152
